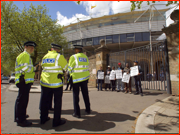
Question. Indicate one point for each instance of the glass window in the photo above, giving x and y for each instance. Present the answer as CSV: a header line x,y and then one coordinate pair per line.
x,y
138,37
84,42
130,35
115,38
95,41
103,37
146,36
108,39
123,38
78,42
88,41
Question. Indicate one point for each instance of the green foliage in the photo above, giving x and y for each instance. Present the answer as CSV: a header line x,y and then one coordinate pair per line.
x,y
30,24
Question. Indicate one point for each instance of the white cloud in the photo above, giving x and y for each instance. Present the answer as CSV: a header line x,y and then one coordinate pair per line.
x,y
106,8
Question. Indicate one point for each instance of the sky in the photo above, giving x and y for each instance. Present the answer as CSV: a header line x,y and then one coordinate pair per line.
x,y
67,12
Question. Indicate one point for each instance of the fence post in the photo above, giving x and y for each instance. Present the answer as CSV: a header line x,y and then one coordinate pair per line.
x,y
167,68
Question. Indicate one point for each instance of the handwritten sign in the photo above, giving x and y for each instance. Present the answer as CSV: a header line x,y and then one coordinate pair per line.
x,y
126,78
118,74
112,75
134,71
101,75
107,79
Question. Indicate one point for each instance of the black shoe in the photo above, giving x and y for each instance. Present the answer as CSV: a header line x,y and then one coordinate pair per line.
x,y
77,116
136,93
44,121
27,116
65,89
87,112
101,90
24,123
60,123
141,94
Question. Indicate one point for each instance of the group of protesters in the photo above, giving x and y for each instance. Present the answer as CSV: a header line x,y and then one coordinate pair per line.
x,y
120,79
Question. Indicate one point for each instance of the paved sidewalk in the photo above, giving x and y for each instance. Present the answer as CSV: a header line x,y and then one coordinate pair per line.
x,y
161,117
112,112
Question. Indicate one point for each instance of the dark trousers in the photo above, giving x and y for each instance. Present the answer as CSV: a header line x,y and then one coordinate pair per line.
x,y
50,100
108,85
138,85
100,84
69,83
22,101
113,84
84,90
44,102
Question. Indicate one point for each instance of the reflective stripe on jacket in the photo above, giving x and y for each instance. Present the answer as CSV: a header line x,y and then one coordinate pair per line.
x,y
53,64
78,67
24,66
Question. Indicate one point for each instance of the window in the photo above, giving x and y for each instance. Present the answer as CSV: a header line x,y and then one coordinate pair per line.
x,y
123,38
88,41
138,37
115,38
146,36
108,39
84,42
95,41
130,37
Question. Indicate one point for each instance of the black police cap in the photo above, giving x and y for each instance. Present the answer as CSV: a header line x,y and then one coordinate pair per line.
x,y
55,46
30,43
135,61
78,46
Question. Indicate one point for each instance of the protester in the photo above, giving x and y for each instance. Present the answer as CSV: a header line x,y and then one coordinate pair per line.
x,y
127,70
99,81
119,81
107,75
113,82
138,79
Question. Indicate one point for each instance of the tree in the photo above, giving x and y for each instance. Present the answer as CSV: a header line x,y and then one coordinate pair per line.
x,y
30,24
138,4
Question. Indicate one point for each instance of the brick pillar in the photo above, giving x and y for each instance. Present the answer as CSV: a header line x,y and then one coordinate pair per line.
x,y
101,57
172,35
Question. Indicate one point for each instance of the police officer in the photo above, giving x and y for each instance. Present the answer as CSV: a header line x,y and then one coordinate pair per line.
x,y
24,78
53,64
138,79
78,68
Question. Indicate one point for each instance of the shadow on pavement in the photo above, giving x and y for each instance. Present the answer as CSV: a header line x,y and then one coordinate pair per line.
x,y
160,127
93,122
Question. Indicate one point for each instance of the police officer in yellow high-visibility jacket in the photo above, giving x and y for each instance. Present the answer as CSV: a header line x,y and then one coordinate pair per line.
x,y
53,64
24,78
78,67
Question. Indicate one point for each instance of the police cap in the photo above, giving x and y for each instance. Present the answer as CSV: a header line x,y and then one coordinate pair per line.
x,y
78,46
30,43
135,61
55,46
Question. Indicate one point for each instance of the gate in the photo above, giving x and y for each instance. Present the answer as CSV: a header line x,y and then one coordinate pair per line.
x,y
154,64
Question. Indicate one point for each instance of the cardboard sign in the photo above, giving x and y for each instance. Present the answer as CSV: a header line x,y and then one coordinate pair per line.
x,y
101,75
126,78
118,74
112,75
134,71
107,79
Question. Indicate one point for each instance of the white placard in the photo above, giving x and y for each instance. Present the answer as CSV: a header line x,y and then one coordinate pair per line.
x,y
118,74
134,71
107,79
94,71
101,75
112,75
126,78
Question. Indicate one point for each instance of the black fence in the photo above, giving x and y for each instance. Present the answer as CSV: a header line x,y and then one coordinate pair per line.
x,y
154,64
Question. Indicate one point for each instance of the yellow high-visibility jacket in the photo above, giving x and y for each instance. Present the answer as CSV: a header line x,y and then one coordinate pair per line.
x,y
53,64
24,66
78,67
